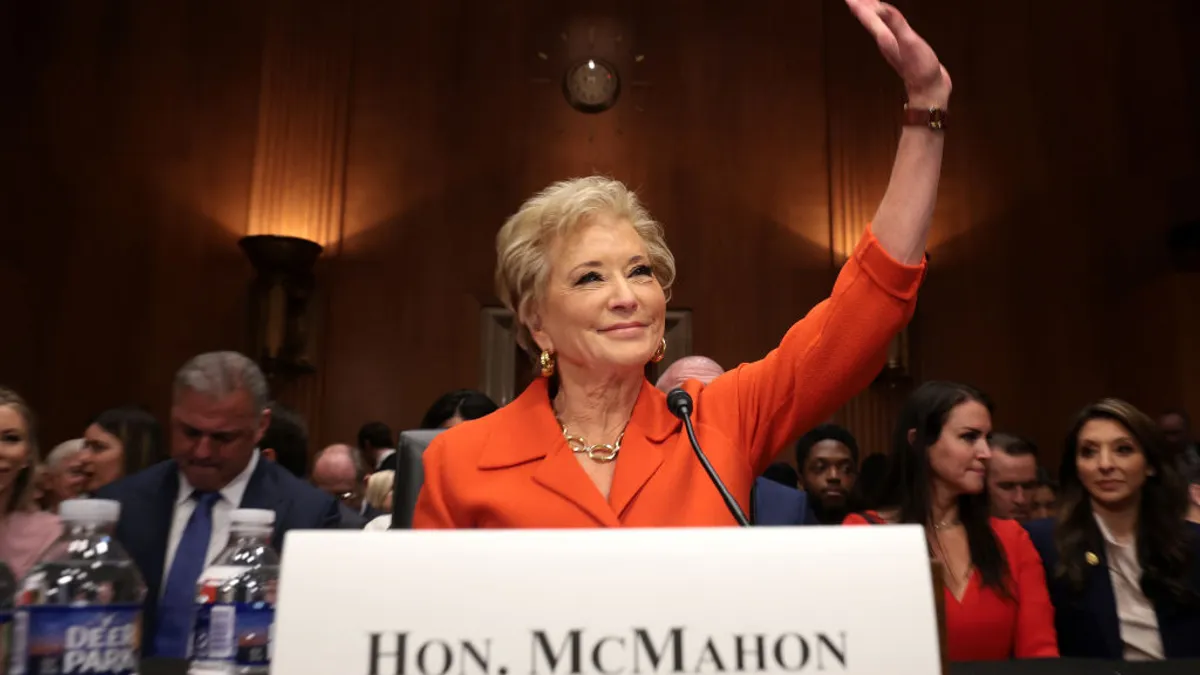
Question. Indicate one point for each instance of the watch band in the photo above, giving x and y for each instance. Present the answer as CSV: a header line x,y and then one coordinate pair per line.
x,y
934,118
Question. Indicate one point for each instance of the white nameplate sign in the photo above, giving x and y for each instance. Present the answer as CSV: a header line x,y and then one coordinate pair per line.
x,y
607,602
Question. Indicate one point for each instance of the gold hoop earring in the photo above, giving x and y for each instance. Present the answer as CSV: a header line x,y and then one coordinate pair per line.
x,y
546,361
660,352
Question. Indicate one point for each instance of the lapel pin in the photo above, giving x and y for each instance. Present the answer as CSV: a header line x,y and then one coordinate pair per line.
x,y
1091,558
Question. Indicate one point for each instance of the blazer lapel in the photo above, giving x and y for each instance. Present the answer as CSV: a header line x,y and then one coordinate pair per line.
x,y
641,450
541,441
560,473
1103,602
159,511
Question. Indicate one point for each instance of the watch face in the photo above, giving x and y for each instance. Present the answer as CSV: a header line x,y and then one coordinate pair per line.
x,y
591,85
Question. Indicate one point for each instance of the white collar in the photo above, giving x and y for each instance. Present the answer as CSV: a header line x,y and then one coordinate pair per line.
x,y
384,454
1108,535
232,492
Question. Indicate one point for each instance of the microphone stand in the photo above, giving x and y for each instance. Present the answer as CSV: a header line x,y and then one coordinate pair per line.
x,y
680,404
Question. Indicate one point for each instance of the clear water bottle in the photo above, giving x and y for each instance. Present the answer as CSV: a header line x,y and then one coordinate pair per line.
x,y
8,589
79,610
235,600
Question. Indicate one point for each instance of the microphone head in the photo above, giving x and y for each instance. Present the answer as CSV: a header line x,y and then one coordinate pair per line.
x,y
679,402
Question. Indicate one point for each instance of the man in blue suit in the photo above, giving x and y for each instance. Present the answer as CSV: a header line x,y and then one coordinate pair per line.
x,y
772,503
175,515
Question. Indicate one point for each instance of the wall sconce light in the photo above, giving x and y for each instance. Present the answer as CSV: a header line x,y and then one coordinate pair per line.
x,y
280,301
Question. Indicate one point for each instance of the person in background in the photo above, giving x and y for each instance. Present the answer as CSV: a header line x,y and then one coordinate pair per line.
x,y
1192,476
693,367
377,443
871,474
66,476
1122,563
25,531
175,515
1012,476
341,472
457,407
379,495
997,606
773,501
286,440
120,442
1044,503
784,474
828,461
1176,427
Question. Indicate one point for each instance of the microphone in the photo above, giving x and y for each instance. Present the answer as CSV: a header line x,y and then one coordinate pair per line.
x,y
679,402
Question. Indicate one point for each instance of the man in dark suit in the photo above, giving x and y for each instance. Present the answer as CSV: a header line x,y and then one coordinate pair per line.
x,y
377,443
175,516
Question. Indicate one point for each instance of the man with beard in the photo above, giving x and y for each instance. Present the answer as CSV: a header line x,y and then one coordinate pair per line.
x,y
827,458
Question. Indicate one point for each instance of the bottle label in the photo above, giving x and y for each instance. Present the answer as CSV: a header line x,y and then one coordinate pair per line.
x,y
234,633
97,640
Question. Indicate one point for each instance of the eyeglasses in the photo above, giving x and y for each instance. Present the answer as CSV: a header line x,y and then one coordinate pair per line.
x,y
345,496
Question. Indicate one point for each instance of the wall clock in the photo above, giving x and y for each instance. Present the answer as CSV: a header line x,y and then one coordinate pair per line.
x,y
591,85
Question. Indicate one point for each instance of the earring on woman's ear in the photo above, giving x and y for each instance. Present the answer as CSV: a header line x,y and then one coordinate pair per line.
x,y
660,352
546,361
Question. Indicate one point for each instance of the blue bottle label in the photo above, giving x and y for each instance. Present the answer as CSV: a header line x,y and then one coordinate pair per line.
x,y
234,633
97,640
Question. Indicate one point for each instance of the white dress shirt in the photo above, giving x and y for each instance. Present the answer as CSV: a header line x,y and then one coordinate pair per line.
x,y
231,498
383,454
1135,613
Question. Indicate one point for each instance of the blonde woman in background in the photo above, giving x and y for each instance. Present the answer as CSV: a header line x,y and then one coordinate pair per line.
x,y
65,475
25,531
379,495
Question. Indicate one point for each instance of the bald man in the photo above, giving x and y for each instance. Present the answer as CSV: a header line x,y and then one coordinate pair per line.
x,y
689,368
772,503
340,470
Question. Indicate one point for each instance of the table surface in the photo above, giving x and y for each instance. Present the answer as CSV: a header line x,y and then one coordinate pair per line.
x,y
1038,667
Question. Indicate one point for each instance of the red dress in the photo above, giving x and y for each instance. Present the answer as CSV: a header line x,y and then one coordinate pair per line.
x,y
983,626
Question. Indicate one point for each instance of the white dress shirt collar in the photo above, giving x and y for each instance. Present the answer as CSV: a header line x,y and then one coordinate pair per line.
x,y
231,493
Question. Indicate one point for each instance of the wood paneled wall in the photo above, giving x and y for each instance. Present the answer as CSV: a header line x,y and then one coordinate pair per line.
x,y
148,137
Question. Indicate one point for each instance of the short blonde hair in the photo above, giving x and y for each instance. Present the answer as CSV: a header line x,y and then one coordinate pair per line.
x,y
523,244
23,487
378,486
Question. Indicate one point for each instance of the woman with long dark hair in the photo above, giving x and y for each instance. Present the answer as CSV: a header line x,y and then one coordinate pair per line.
x,y
1122,563
997,606
120,442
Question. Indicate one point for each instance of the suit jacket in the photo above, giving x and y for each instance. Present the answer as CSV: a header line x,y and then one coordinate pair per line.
x,y
349,519
148,504
777,504
512,468
1087,620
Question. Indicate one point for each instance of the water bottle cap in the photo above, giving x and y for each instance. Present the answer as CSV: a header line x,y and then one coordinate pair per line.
x,y
90,510
264,517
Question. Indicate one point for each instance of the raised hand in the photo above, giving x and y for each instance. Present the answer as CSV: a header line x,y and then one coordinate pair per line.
x,y
925,79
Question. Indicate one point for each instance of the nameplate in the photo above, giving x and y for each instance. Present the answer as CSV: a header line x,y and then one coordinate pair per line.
x,y
607,602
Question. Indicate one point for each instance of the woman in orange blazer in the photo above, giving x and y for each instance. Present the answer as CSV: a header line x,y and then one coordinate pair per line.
x,y
585,270
997,605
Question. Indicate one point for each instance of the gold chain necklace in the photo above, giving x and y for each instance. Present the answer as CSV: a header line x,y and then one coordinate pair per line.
x,y
597,452
946,524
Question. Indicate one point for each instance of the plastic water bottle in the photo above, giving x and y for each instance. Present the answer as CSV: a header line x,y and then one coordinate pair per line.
x,y
79,610
235,600
8,589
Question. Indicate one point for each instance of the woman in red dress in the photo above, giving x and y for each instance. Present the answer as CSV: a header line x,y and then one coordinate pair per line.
x,y
997,606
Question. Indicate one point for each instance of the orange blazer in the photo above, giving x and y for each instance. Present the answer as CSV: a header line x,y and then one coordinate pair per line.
x,y
983,626
513,469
